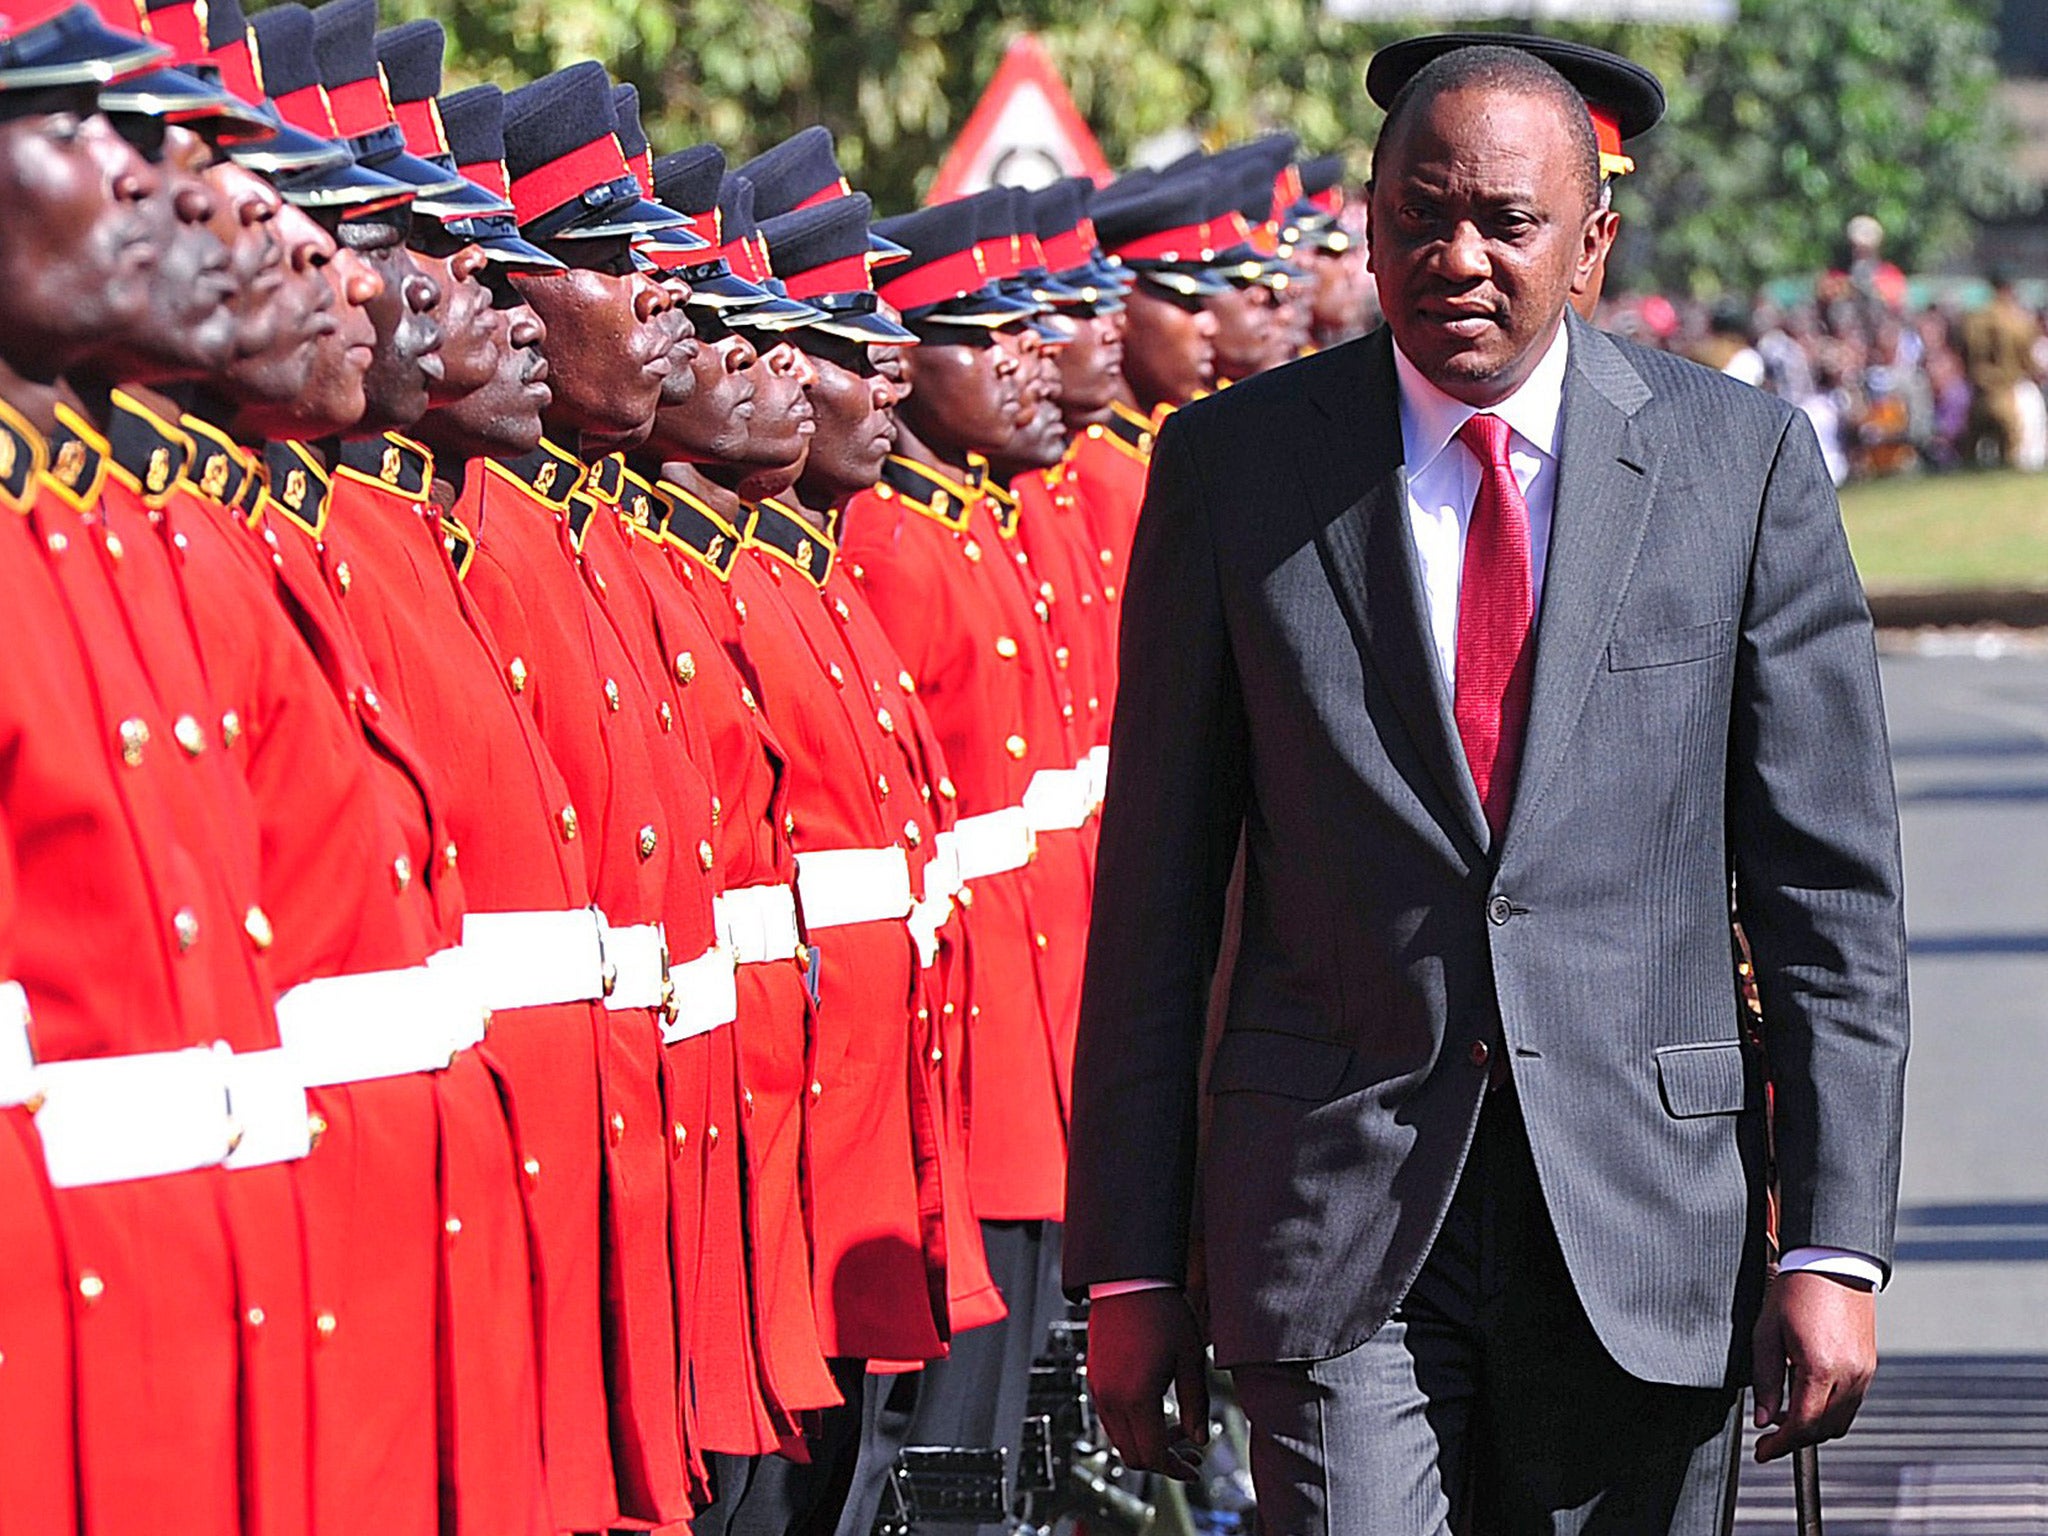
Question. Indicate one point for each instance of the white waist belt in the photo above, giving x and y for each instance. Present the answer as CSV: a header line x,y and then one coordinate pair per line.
x,y
528,959
268,1106
353,1029
853,885
1097,764
17,1058
758,923
706,995
926,919
993,843
942,874
636,966
1059,799
134,1117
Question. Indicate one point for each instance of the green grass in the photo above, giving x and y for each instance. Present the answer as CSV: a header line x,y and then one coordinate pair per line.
x,y
1954,530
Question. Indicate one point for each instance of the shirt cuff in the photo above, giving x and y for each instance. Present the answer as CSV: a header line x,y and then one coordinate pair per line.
x,y
1104,1288
1842,1262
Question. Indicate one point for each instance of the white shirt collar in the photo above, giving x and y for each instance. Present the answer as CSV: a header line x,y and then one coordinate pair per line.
x,y
1430,418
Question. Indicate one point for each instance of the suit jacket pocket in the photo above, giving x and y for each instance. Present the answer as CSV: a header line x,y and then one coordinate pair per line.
x,y
1705,1079
1267,1061
1669,647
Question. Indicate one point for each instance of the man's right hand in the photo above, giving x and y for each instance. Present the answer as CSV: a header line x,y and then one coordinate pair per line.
x,y
1139,1344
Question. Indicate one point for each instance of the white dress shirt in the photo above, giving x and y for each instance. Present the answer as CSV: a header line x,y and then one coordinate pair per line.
x,y
1443,478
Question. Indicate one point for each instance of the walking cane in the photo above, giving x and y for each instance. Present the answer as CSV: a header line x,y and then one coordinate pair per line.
x,y
1805,1460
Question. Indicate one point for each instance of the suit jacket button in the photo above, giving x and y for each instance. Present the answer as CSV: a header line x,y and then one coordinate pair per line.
x,y
1499,910
1479,1053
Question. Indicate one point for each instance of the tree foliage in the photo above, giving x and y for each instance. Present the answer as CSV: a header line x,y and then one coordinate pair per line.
x,y
1782,126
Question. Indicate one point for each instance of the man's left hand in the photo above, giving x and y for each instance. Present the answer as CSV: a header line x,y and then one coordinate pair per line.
x,y
1815,1352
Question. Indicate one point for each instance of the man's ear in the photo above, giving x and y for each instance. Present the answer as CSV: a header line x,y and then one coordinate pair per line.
x,y
1596,240
1368,228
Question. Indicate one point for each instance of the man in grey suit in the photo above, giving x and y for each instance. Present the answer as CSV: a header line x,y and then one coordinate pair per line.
x,y
1509,651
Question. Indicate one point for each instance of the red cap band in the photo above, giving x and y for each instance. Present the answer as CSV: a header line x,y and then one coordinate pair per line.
x,y
1606,128
421,121
847,275
237,65
182,29
642,166
1190,242
27,15
1067,250
491,175
307,109
359,107
744,260
831,192
950,277
545,188
1001,257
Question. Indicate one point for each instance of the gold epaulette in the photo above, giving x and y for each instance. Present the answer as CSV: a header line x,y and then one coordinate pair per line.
x,y
394,462
77,465
223,471
927,492
22,458
548,474
299,485
149,454
780,532
691,525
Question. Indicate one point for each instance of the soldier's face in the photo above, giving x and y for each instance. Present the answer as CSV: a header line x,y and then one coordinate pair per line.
x,y
245,211
683,345
856,428
1244,330
711,425
302,315
1039,435
470,345
1293,315
502,415
1481,222
406,366
607,345
962,395
75,251
1091,368
187,330
783,423
343,355
1169,347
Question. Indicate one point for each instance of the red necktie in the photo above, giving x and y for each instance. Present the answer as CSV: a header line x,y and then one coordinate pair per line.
x,y
1495,609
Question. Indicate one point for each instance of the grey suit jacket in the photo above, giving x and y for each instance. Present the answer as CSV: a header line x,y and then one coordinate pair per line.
x,y
1704,708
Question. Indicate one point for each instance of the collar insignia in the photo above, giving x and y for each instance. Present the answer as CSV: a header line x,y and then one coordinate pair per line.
x,y
773,527
551,475
299,486
693,527
78,460
395,463
21,458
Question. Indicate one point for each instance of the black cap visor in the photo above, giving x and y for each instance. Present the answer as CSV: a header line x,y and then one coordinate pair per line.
x,y
76,48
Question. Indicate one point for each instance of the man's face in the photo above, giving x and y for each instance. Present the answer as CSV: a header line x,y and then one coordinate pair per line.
x,y
963,396
306,381
187,330
501,413
1039,434
682,346
1244,330
1091,367
343,353
608,345
1294,315
1169,347
717,413
245,211
1480,226
407,367
779,438
76,255
856,425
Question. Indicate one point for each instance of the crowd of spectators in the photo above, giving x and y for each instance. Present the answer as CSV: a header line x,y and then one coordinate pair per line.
x,y
1892,386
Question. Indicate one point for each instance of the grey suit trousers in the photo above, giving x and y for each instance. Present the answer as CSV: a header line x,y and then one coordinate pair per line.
x,y
1488,1386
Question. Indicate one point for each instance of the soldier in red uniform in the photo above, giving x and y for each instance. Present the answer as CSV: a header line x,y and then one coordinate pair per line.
x,y
977,643
139,936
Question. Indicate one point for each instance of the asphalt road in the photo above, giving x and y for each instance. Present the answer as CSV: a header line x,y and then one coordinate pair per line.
x,y
1970,748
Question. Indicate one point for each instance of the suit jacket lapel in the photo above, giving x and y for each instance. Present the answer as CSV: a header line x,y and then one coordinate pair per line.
x,y
1606,480
1359,496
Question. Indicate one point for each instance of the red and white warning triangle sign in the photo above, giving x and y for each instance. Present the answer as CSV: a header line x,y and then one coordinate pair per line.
x,y
1024,132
